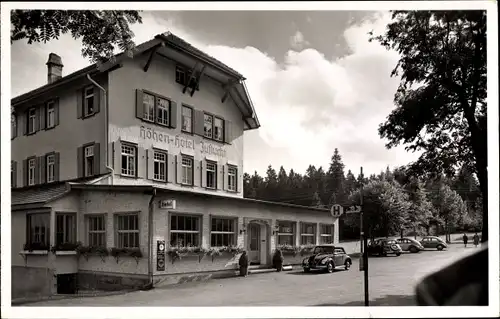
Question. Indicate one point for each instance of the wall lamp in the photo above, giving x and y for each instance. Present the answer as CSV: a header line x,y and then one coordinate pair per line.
x,y
276,229
243,230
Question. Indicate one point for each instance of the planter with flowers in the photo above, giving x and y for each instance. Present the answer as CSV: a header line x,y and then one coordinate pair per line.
x,y
224,250
65,248
31,247
186,252
289,250
126,252
305,249
87,251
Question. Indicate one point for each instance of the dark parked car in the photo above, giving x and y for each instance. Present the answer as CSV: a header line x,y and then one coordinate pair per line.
x,y
410,244
384,247
433,242
327,258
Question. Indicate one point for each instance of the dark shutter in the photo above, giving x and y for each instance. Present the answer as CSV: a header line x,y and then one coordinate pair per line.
x,y
38,111
97,99
178,172
173,114
141,163
203,170
79,103
57,167
228,134
139,107
199,119
38,169
97,158
150,164
43,115
14,169
56,111
171,168
25,122
16,126
25,172
79,161
43,169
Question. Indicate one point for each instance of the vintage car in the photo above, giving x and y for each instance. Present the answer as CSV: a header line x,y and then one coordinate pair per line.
x,y
433,242
384,247
409,244
327,258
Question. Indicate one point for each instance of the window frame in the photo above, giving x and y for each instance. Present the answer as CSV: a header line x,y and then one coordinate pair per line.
x,y
31,175
90,232
293,234
209,116
166,110
122,155
118,231
191,109
198,232
50,108
186,71
212,171
185,181
49,164
234,233
73,233
30,236
303,234
235,175
31,121
323,235
221,140
146,107
86,96
86,157
164,162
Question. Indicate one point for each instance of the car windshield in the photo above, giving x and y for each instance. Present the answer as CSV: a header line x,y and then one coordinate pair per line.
x,y
390,242
323,250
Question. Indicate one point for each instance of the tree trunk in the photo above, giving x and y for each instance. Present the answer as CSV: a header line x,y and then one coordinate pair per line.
x,y
401,233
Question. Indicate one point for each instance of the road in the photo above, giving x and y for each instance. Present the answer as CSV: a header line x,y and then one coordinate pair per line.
x,y
392,281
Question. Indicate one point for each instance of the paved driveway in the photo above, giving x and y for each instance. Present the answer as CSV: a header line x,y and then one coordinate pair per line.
x,y
392,282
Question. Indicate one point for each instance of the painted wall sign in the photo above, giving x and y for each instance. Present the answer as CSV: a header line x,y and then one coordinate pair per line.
x,y
181,142
167,204
160,255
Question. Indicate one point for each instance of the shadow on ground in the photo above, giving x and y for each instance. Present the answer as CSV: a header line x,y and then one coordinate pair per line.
x,y
389,300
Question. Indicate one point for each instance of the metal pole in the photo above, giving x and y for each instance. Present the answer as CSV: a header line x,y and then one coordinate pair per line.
x,y
365,245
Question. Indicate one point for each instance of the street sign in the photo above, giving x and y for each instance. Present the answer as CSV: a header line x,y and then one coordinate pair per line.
x,y
353,209
336,210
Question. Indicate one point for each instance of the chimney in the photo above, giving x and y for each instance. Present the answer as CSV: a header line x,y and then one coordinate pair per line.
x,y
54,68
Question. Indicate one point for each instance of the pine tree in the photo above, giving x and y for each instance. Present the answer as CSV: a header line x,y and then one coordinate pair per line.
x,y
336,180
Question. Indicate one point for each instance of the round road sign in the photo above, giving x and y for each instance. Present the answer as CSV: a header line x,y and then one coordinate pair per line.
x,y
336,210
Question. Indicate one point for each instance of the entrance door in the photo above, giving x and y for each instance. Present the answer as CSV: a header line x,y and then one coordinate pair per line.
x,y
254,243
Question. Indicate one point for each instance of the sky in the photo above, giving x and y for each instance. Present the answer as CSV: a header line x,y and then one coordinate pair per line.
x,y
316,82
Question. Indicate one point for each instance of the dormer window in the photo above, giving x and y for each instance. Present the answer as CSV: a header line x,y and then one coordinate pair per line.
x,y
182,76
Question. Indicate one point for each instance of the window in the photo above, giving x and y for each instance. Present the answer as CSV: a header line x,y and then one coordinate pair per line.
x,y
89,161
222,232
339,251
187,119
211,175
31,120
128,231
31,171
231,178
180,75
162,111
128,160
148,103
218,129
326,235
65,228
13,126
88,101
51,164
208,124
51,115
160,166
286,233
307,234
187,170
96,226
184,231
38,229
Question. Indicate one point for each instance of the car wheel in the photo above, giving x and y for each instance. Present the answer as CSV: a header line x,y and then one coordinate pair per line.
x,y
398,254
413,249
330,267
347,264
439,247
307,270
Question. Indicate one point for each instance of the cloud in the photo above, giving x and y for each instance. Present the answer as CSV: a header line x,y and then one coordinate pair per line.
x,y
297,41
308,105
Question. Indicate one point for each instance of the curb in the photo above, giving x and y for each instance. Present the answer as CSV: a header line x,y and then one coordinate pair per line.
x,y
21,301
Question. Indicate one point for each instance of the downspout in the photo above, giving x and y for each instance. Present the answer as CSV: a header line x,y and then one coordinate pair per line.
x,y
150,240
106,127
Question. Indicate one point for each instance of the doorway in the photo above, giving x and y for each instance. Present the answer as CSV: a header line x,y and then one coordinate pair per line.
x,y
254,244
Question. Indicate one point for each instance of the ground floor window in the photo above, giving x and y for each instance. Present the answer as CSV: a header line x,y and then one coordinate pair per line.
x,y
65,228
222,232
326,234
38,230
286,233
185,231
307,234
127,231
96,228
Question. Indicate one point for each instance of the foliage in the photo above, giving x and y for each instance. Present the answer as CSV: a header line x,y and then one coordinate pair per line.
x,y
35,246
449,207
441,101
102,32
66,247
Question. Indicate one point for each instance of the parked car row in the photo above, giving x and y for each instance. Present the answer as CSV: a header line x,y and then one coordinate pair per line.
x,y
330,257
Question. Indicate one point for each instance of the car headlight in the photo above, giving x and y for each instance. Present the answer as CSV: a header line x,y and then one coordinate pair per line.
x,y
304,261
323,261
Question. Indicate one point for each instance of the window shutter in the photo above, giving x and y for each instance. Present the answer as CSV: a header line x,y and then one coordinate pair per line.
x,y
14,168
228,126
220,176
197,173
179,169
80,162
37,118
239,177
117,147
79,103
38,169
97,99
173,114
203,166
151,163
25,172
141,162
139,107
57,167
25,122
199,122
56,111
16,124
171,168
97,158
41,118
43,169
224,184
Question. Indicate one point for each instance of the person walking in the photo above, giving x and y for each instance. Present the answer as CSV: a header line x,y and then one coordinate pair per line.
x,y
476,240
278,260
465,239
243,263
